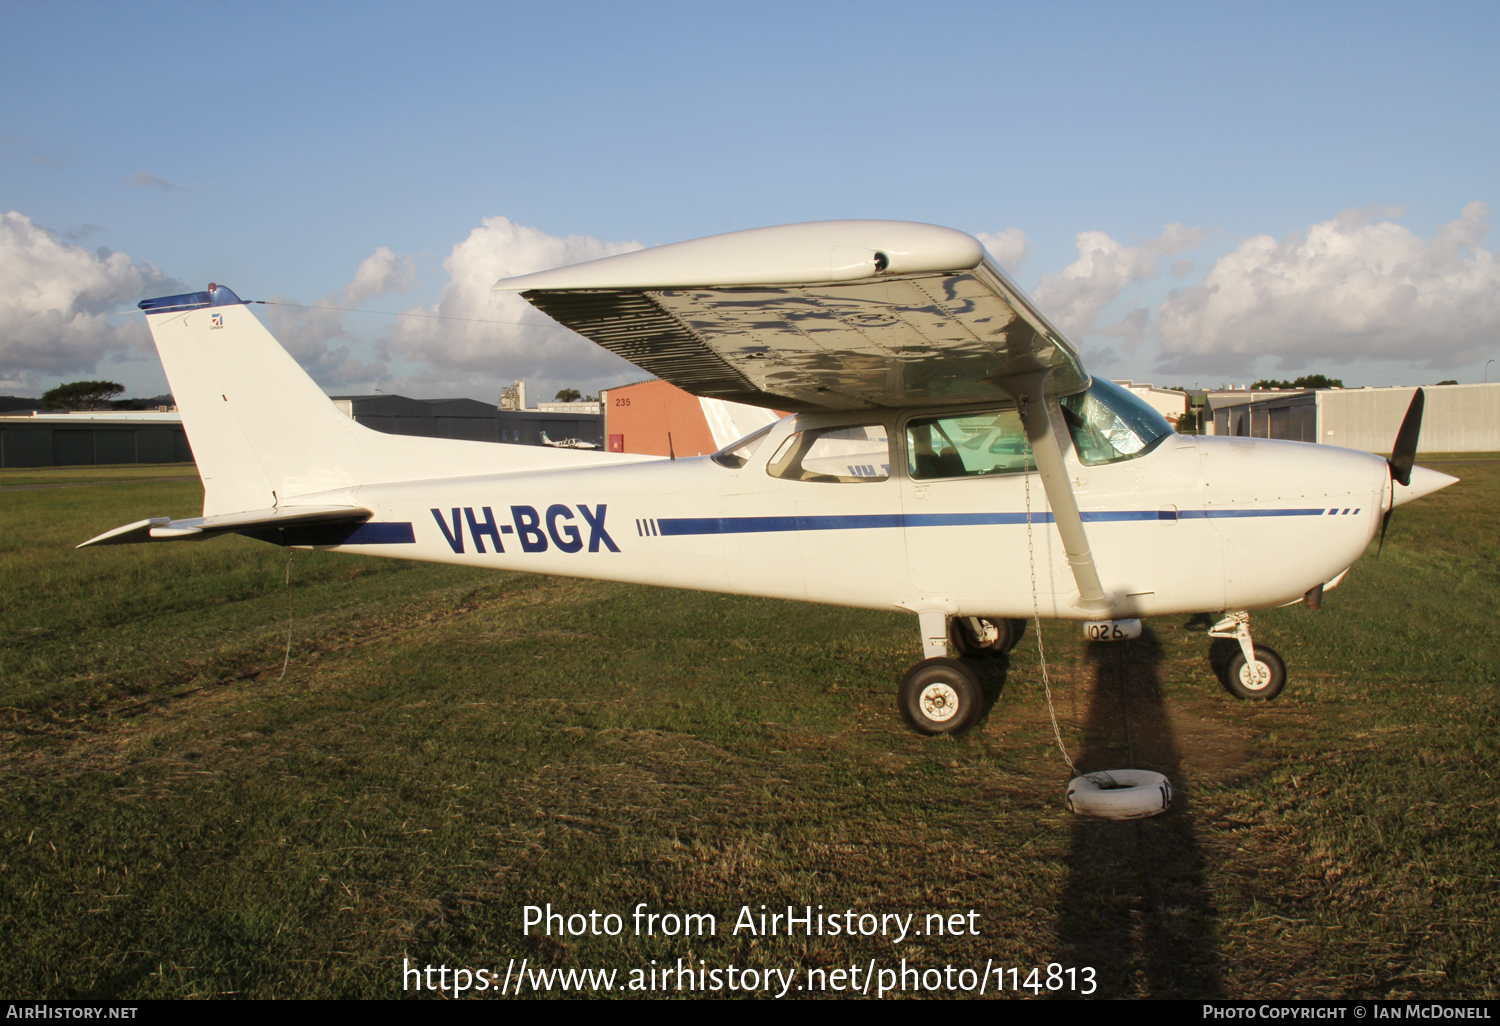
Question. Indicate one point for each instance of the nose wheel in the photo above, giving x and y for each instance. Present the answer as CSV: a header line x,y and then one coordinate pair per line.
x,y
1255,672
1262,679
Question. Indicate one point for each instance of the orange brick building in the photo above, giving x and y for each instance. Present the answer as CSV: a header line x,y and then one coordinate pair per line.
x,y
659,419
639,417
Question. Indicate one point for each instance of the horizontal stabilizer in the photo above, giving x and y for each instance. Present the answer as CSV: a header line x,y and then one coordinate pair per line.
x,y
167,529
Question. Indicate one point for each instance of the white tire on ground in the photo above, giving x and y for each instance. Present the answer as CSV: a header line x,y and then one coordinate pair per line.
x,y
1120,794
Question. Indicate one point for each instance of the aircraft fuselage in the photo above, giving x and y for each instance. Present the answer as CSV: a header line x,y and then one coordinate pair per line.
x,y
1197,524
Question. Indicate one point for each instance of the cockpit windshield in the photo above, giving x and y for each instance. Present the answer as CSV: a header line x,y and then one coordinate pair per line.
x,y
1110,424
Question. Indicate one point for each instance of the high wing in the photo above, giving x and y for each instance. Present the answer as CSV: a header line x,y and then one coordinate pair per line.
x,y
829,315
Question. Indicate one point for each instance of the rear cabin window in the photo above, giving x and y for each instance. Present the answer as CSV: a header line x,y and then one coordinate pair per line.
x,y
848,455
736,454
968,445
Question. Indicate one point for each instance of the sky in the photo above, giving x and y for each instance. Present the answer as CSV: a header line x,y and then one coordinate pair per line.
x,y
1195,193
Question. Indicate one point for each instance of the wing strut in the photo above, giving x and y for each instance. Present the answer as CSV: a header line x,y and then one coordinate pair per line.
x,y
1092,598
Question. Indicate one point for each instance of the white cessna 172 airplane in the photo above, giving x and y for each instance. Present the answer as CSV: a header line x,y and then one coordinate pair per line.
x,y
946,454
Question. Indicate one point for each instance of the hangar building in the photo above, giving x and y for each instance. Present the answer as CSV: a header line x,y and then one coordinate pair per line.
x,y
469,419
93,439
1456,418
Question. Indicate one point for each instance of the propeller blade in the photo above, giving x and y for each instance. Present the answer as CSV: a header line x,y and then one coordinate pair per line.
x,y
1404,452
1403,455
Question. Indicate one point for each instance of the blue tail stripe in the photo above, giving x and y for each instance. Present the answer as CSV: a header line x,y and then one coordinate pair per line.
x,y
220,296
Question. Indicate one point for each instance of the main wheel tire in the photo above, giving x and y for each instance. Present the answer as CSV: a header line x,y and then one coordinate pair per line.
x,y
940,696
967,644
1259,683
1120,794
961,638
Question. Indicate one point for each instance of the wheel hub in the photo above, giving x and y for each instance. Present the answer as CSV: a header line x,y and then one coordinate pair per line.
x,y
939,702
1255,676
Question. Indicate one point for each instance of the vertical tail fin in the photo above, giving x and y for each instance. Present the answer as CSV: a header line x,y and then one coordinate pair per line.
x,y
260,428
263,432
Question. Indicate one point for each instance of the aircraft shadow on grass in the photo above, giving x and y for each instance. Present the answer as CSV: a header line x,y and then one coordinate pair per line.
x,y
1109,916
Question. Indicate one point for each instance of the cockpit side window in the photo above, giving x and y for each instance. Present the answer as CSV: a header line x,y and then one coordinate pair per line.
x,y
968,445
847,454
1109,424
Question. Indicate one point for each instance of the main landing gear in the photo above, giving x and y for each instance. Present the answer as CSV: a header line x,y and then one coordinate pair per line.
x,y
1255,671
941,695
978,636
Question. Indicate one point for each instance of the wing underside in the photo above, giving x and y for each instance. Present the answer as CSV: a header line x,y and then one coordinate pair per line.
x,y
885,338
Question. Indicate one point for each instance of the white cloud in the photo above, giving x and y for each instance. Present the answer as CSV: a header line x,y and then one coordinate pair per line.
x,y
1009,248
146,180
1353,288
56,300
1074,297
380,274
1131,326
473,340
19,147
308,332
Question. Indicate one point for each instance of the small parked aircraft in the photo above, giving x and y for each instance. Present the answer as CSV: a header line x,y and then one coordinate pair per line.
x,y
568,443
946,454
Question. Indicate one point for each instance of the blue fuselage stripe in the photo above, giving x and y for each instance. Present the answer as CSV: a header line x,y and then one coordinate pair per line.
x,y
1239,513
678,526
371,533
669,526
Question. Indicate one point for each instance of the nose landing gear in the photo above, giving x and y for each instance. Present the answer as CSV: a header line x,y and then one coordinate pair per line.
x,y
1255,672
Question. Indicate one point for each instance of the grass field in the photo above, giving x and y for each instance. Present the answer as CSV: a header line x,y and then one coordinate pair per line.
x,y
449,746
